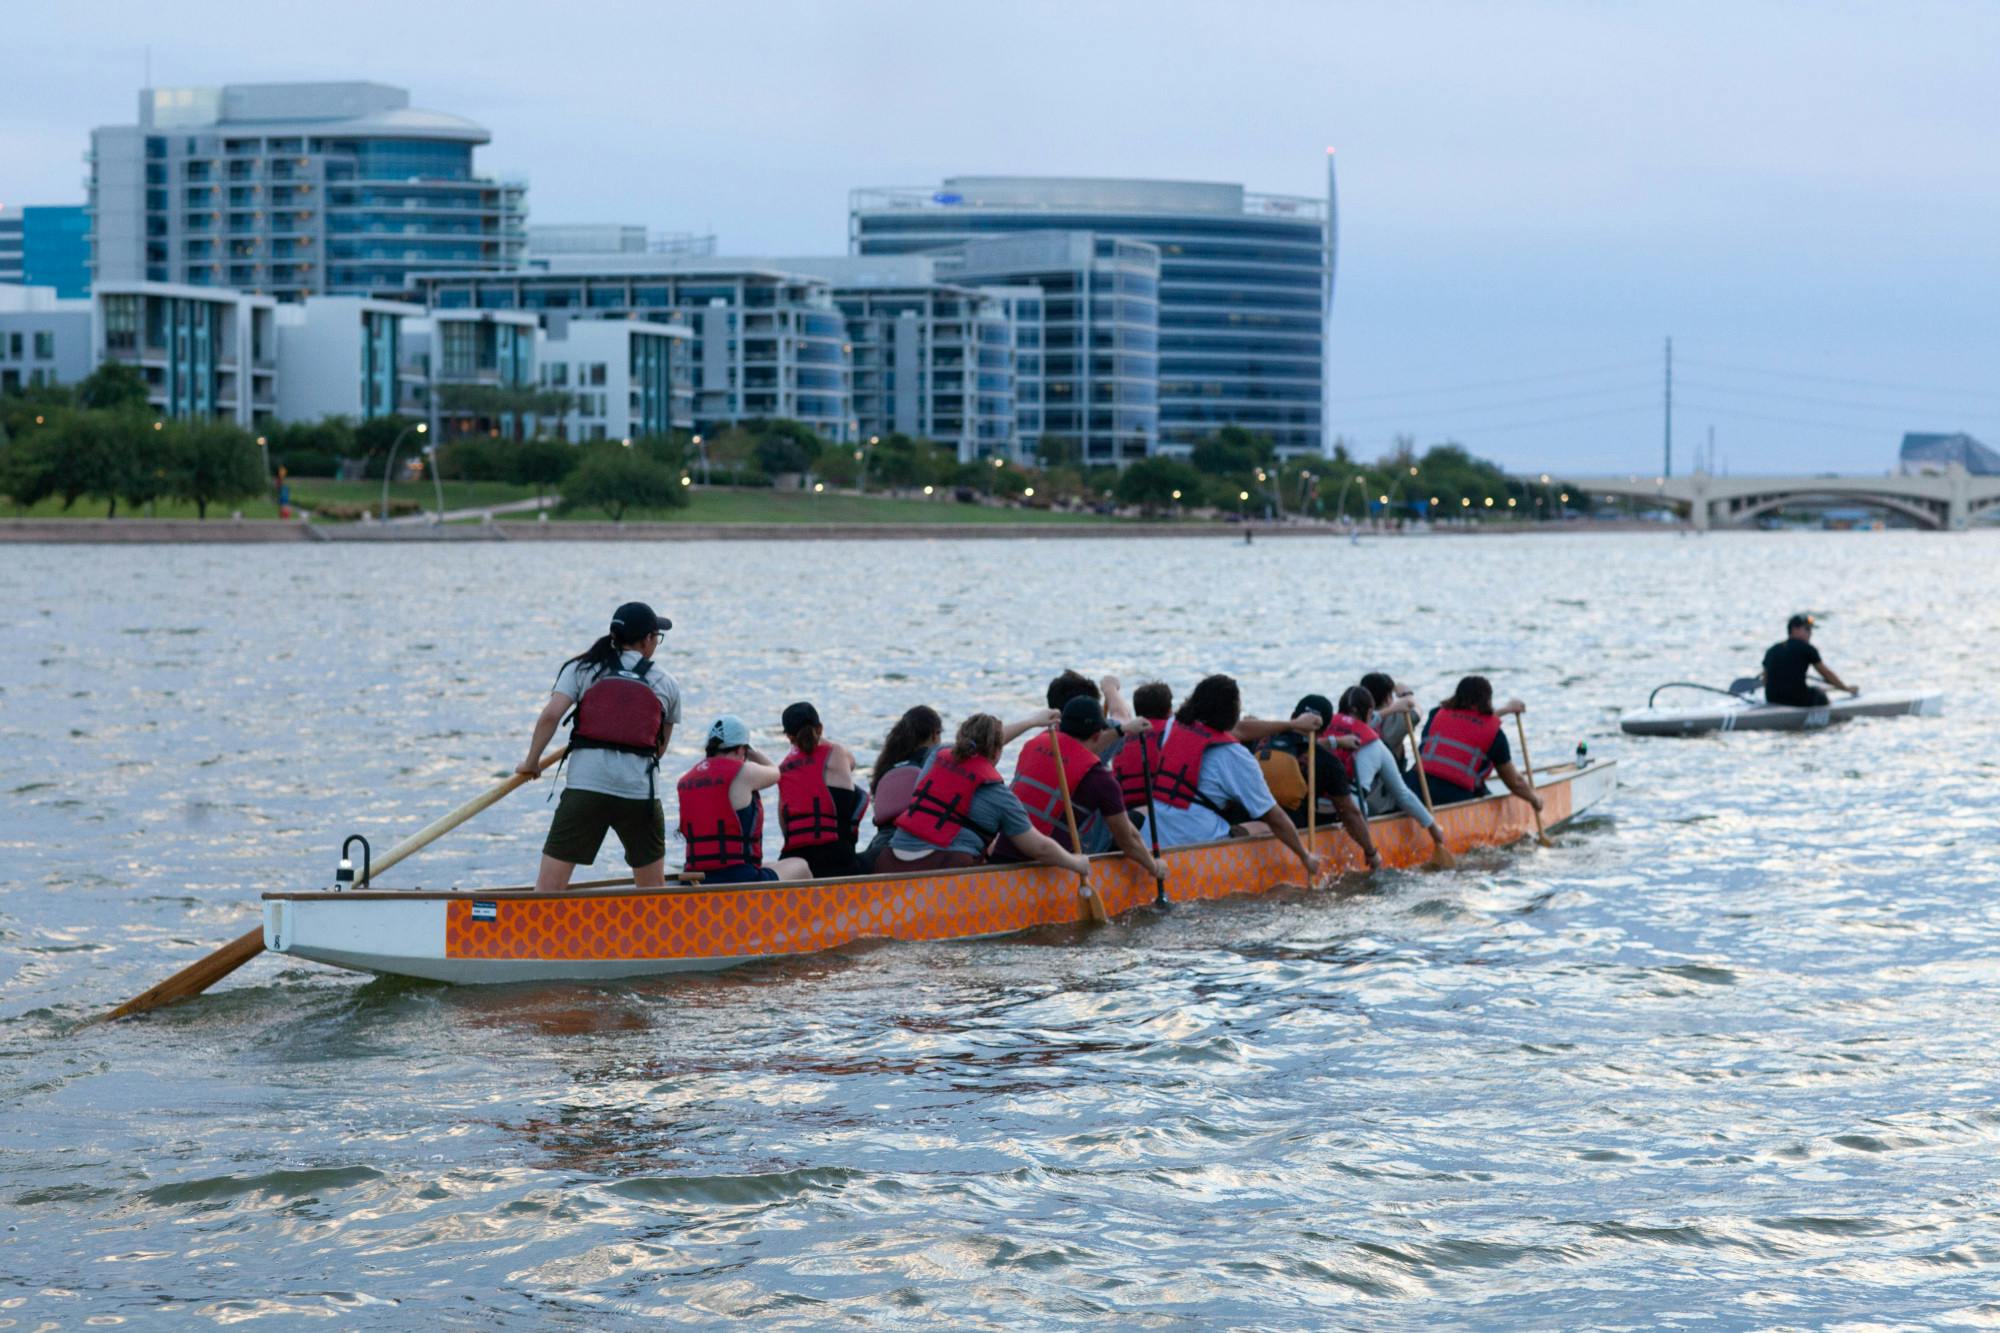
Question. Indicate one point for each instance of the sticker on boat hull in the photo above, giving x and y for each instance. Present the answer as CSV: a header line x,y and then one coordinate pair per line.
x,y
485,911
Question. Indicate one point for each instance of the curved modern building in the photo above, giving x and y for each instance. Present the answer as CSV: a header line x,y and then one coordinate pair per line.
x,y
1244,283
295,189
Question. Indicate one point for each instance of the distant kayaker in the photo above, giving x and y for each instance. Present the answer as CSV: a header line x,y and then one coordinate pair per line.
x,y
820,802
1087,735
722,812
1464,744
625,709
1785,665
1202,776
960,804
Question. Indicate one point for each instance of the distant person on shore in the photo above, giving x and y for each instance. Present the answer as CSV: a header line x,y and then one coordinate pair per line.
x,y
722,810
622,711
961,804
1203,776
820,801
1370,766
1786,663
1102,821
1464,744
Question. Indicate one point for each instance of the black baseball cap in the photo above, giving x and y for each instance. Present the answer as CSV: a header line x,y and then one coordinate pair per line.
x,y
1316,703
797,717
1803,620
635,620
1083,717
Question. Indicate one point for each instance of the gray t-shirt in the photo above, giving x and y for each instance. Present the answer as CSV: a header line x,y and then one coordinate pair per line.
x,y
613,772
993,807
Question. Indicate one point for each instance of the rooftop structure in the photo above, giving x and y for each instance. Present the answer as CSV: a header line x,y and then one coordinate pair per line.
x,y
295,189
1924,453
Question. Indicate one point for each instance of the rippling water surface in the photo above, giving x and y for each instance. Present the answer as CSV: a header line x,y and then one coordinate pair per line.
x,y
1722,1057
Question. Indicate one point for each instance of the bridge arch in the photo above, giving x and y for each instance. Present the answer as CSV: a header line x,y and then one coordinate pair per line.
x,y
1750,508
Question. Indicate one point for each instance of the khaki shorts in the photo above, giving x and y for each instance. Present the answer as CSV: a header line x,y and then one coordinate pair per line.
x,y
584,817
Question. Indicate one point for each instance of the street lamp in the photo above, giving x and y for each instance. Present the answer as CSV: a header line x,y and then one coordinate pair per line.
x,y
264,456
704,459
389,469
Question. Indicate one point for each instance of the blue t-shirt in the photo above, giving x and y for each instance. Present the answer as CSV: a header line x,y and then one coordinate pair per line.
x,y
1228,772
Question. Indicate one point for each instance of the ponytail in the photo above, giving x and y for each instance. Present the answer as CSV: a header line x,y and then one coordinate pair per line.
x,y
601,657
979,737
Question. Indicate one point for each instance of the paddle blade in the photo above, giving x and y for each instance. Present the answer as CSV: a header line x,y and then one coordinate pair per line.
x,y
1093,906
1743,685
1441,858
193,979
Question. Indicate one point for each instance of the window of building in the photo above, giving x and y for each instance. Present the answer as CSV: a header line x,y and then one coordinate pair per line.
x,y
45,345
14,346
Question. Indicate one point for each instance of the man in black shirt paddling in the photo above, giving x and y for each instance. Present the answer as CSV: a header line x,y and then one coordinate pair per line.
x,y
1785,667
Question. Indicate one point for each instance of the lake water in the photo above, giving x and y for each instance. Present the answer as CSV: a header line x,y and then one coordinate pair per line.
x,y
1723,1057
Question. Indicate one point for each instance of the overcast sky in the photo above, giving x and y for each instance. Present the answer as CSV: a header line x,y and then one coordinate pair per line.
x,y
1806,196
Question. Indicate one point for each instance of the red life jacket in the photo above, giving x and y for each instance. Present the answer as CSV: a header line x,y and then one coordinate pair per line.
x,y
619,711
1035,783
805,803
1134,757
1455,749
1177,767
1340,724
941,805
710,825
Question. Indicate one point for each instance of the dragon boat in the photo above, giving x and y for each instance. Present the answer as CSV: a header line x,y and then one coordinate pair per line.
x,y
611,928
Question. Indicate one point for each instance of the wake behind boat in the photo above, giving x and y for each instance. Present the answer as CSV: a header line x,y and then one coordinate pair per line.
x,y
612,929
1726,710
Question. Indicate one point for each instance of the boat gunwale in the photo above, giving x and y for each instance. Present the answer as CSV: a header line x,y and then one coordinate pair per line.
x,y
1553,775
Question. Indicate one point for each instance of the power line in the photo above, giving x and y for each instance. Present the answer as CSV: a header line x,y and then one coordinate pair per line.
x,y
1473,432
1815,400
1490,384
1501,405
1847,380
1843,427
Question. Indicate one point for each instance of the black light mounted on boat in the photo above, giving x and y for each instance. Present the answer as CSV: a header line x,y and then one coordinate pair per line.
x,y
1583,754
343,874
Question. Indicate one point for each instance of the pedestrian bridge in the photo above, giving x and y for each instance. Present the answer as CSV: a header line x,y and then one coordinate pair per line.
x,y
1944,502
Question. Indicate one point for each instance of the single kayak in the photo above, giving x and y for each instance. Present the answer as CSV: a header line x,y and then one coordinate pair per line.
x,y
1748,712
613,929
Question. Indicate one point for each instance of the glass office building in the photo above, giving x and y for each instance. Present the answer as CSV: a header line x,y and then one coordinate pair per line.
x,y
295,189
1242,295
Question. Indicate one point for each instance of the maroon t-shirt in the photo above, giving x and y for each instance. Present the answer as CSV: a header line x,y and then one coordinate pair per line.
x,y
1099,791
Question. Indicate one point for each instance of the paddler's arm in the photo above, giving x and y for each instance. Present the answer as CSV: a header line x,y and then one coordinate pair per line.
x,y
1518,784
1826,674
1036,720
1253,729
1128,841
1115,706
545,730
1041,847
1280,823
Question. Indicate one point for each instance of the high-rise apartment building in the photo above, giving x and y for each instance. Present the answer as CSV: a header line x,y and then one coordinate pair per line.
x,y
1243,286
295,189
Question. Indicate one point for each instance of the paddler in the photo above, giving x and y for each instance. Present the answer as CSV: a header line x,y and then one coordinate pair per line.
x,y
820,802
1370,766
722,812
909,743
1086,736
1786,663
1202,770
625,709
1154,704
1284,755
1392,718
960,804
1464,743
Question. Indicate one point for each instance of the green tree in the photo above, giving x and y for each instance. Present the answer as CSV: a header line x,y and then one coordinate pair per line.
x,y
1232,452
784,446
114,384
374,437
214,462
145,458
1153,482
618,479
544,463
90,458
28,467
311,448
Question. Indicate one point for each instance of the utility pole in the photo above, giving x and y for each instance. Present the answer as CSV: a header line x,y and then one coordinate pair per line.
x,y
1708,464
1668,470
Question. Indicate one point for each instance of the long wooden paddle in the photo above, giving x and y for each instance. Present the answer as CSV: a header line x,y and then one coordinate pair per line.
x,y
1441,856
1092,906
1521,735
198,977
1152,817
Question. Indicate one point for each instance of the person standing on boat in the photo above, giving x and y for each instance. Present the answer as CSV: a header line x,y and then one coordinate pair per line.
x,y
1202,770
622,711
1371,767
819,800
1464,743
1086,737
722,811
1786,663
960,804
